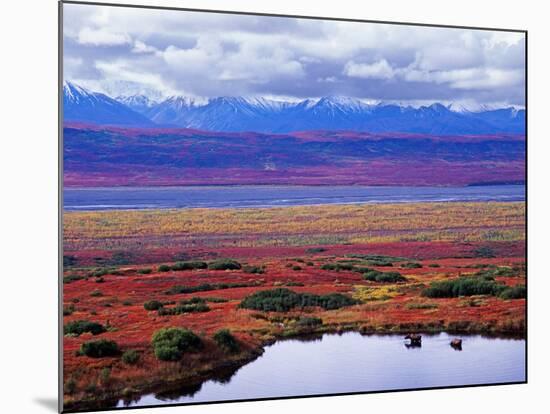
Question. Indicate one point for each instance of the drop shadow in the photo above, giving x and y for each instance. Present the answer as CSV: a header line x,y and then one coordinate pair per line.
x,y
49,403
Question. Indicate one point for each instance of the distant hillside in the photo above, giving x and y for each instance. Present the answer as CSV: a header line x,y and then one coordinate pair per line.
x,y
113,156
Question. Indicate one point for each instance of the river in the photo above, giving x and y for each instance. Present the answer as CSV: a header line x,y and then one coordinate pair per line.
x,y
130,198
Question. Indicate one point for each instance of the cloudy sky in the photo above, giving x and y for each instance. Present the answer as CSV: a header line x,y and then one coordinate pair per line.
x,y
122,51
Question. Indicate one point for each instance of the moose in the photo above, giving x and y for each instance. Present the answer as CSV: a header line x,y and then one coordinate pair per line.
x,y
456,344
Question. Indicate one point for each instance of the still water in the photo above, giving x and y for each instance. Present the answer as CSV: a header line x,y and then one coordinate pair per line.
x,y
352,362
126,198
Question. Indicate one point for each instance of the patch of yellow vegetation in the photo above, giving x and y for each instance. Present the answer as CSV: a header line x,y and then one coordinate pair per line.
x,y
325,224
372,293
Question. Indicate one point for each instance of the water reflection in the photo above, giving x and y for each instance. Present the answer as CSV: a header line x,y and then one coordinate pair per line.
x,y
351,362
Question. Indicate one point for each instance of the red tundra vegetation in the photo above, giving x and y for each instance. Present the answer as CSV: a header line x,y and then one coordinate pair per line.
x,y
384,269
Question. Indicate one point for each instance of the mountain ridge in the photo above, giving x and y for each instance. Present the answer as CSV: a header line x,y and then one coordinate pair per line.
x,y
240,114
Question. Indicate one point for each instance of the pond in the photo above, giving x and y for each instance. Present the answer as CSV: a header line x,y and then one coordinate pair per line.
x,y
352,362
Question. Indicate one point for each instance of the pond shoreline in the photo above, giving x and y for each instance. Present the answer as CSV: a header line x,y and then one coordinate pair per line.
x,y
233,363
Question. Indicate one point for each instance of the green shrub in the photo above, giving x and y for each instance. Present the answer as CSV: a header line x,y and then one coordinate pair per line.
x,y
70,386
152,305
99,349
421,306
72,278
130,357
177,289
313,250
79,327
169,344
189,265
283,300
226,340
292,283
185,307
379,263
145,271
434,265
68,310
296,268
377,258
497,271
216,300
411,265
105,375
96,293
309,322
224,264
310,264
383,277
515,292
484,251
69,260
164,268
337,266
253,269
464,286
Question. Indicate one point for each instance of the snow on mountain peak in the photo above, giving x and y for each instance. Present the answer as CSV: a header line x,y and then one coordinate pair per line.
x,y
75,92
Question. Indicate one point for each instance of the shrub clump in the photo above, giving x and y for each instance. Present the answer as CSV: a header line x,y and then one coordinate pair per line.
x,y
169,344
515,292
68,310
186,306
309,322
497,271
145,271
130,357
164,268
189,265
226,340
177,289
337,267
383,277
79,327
313,250
99,349
464,286
152,305
283,300
73,277
411,265
253,269
421,306
224,264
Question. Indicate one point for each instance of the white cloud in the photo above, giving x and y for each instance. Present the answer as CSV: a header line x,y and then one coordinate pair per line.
x,y
472,78
208,55
377,70
102,37
140,47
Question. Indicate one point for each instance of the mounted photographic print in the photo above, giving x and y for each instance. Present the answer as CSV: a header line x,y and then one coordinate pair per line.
x,y
264,206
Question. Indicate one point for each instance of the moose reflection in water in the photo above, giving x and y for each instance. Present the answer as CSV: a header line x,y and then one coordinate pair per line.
x,y
415,340
456,344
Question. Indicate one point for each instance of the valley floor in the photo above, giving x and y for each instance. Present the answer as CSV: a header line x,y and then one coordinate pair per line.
x,y
116,261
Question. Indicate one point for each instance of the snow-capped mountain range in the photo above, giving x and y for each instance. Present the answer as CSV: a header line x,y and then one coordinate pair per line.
x,y
236,114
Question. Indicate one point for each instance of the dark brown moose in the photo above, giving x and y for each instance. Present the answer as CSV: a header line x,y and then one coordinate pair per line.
x,y
457,344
